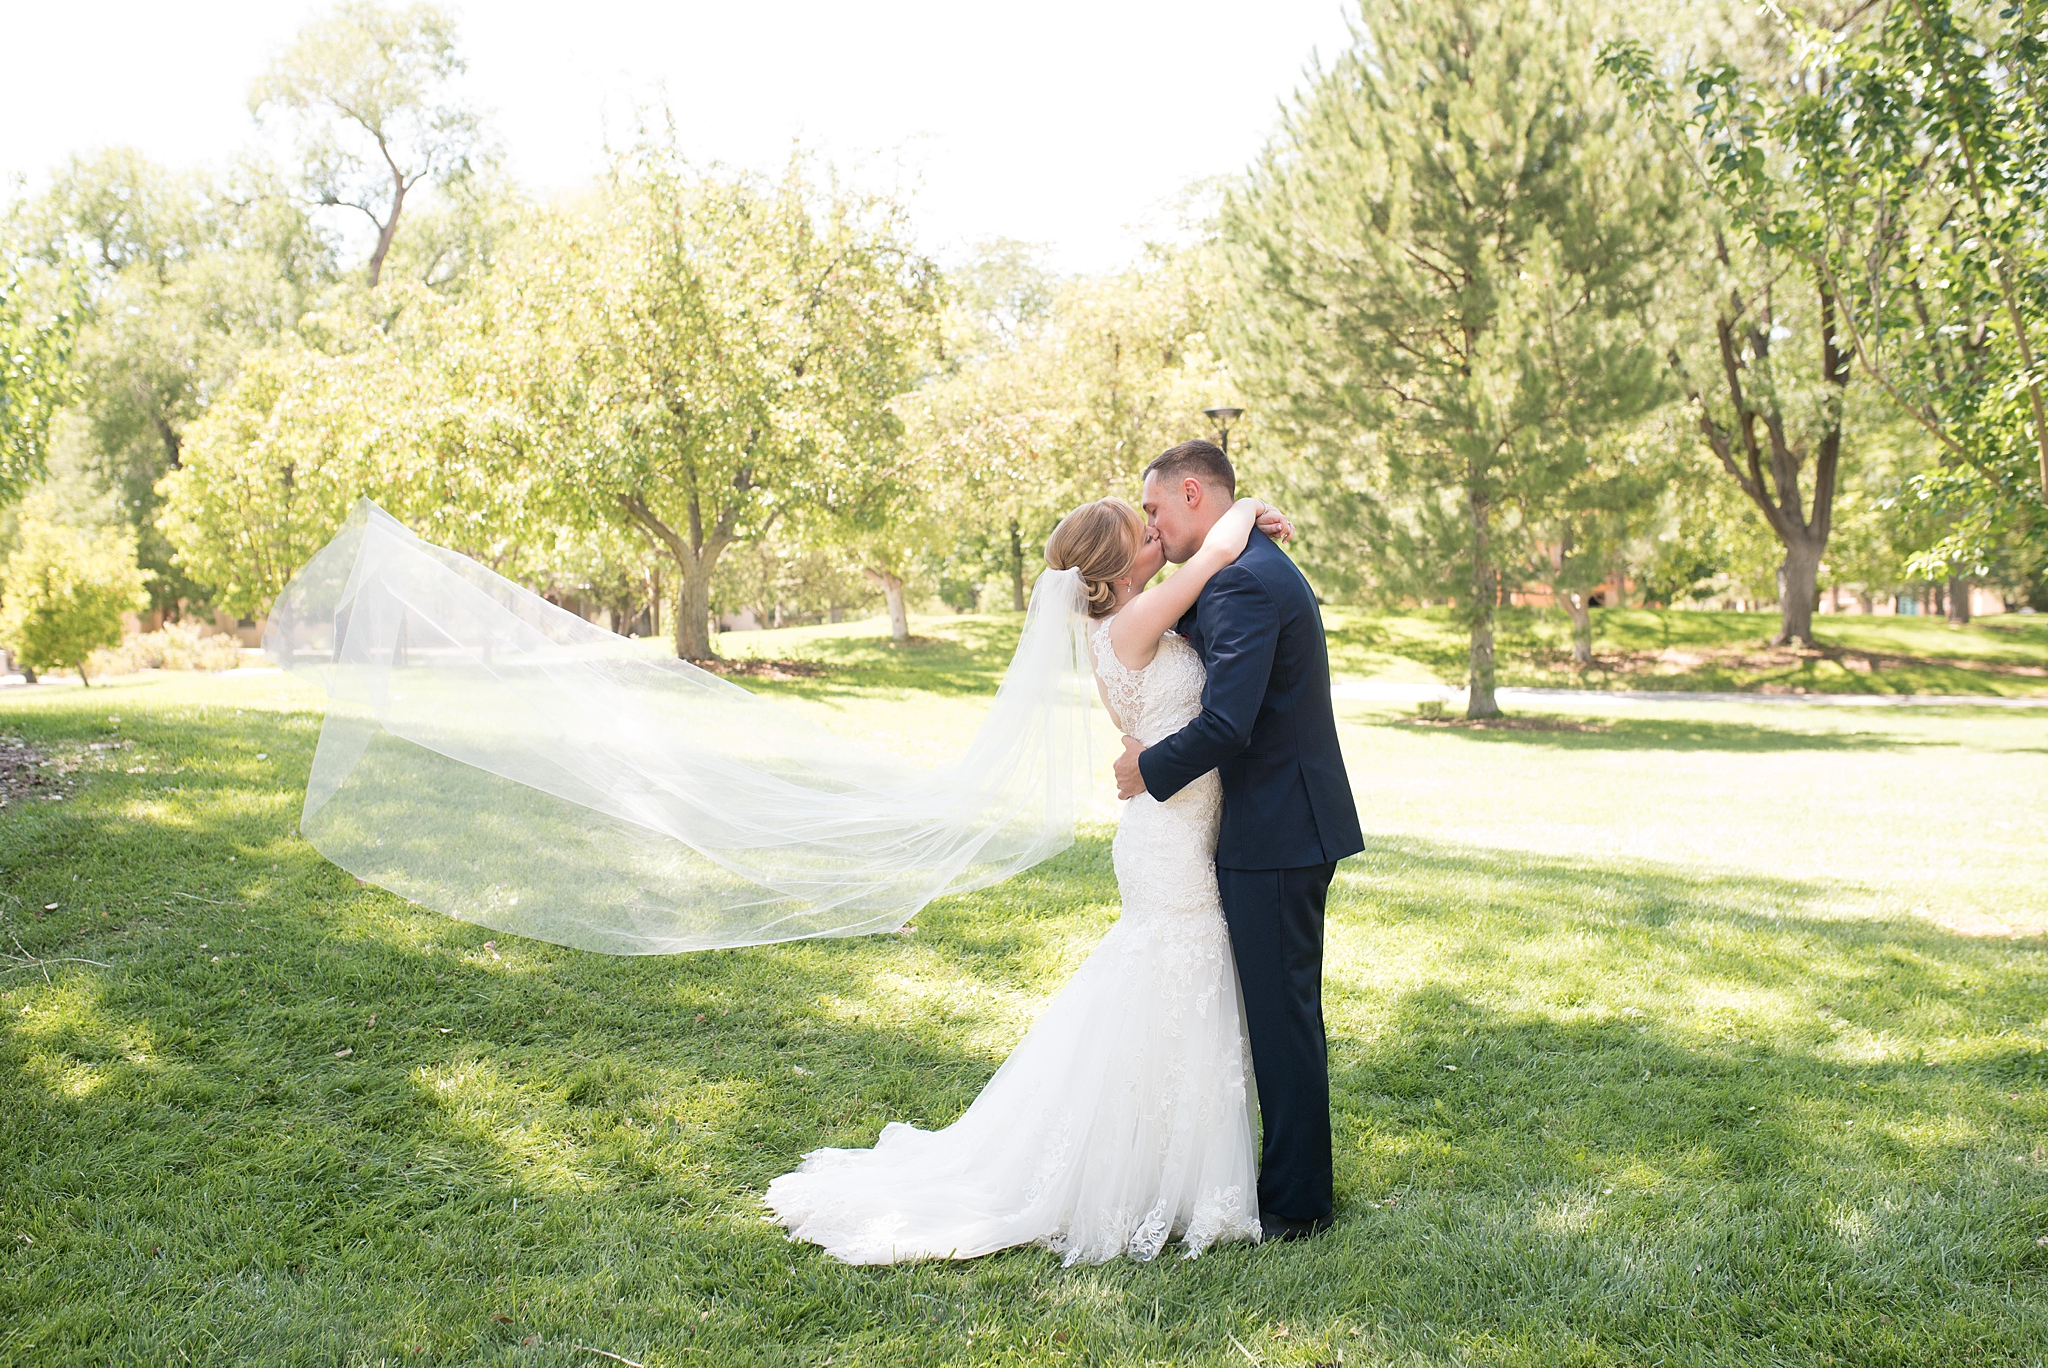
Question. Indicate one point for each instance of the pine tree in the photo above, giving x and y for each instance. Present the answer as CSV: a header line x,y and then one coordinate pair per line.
x,y
1441,261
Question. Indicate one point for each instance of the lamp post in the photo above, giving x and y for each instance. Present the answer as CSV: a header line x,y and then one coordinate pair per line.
x,y
1223,418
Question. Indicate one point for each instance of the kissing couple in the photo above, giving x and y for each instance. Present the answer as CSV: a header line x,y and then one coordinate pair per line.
x,y
1122,1121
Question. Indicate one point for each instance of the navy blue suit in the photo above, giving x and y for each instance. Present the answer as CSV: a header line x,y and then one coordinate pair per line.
x,y
1268,729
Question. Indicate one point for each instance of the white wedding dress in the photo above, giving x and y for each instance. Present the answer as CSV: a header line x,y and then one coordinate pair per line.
x,y
1122,1120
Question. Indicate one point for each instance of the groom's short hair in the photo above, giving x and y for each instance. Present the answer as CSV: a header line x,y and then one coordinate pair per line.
x,y
1203,460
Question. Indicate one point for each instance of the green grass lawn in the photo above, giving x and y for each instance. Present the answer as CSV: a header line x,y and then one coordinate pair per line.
x,y
1646,649
1633,649
1651,1043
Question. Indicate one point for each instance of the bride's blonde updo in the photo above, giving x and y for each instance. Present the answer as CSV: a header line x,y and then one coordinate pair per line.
x,y
1101,540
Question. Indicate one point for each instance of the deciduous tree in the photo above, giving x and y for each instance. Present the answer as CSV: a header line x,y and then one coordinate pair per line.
x,y
719,356
1062,400
179,275
35,378
1897,160
369,92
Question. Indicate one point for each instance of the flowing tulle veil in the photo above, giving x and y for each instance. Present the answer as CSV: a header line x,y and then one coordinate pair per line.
x,y
499,759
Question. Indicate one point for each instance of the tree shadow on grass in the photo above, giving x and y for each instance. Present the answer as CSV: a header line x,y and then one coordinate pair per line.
x,y
1611,1103
1761,930
515,1134
1629,1181
1736,978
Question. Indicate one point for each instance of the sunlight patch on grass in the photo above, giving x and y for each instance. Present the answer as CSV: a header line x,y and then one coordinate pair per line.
x,y
1572,1214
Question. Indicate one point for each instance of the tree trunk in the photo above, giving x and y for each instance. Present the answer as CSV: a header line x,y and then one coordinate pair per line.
x,y
693,608
1016,567
388,230
1582,627
899,617
1958,600
1798,591
892,590
1777,496
173,444
1479,700
1864,603
694,561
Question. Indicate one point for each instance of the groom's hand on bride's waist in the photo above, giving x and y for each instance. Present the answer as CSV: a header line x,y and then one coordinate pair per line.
x,y
1130,781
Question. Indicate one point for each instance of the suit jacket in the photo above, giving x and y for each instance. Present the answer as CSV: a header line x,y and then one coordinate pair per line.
x,y
1267,724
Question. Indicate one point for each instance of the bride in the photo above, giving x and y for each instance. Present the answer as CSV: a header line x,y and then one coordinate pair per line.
x,y
1121,1121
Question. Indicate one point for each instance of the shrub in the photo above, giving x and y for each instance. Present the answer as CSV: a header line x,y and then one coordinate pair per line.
x,y
64,592
179,646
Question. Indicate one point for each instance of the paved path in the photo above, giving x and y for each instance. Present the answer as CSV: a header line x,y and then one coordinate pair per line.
x,y
16,681
1383,692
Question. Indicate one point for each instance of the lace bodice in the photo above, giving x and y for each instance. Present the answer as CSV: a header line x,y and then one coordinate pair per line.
x,y
1157,701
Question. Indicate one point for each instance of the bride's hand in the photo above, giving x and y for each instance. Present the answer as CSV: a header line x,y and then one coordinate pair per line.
x,y
1274,523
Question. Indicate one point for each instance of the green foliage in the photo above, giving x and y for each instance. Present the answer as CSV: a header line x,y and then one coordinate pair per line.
x,y
35,383
270,472
1439,266
1056,394
1899,157
1748,314
174,646
683,363
1438,295
64,592
781,577
182,275
713,358
997,298
1685,1090
432,413
1604,516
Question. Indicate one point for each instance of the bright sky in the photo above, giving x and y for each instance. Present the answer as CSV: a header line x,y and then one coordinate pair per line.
x,y
1074,123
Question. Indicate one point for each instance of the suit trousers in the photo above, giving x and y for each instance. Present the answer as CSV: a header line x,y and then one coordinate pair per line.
x,y
1275,918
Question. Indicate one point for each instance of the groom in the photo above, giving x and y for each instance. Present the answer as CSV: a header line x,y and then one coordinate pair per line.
x,y
1268,728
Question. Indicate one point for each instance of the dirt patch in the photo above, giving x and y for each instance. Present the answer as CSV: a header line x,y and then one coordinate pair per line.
x,y
27,775
764,669
1518,724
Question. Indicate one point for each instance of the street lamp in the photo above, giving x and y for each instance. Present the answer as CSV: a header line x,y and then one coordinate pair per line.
x,y
1223,418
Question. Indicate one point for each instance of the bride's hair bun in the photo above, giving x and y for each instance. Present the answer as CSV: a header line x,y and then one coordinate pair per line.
x,y
1100,540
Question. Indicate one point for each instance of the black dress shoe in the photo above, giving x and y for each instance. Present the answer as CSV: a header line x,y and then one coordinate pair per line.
x,y
1287,1228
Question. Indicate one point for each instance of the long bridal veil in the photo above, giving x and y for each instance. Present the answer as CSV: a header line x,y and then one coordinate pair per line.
x,y
495,757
